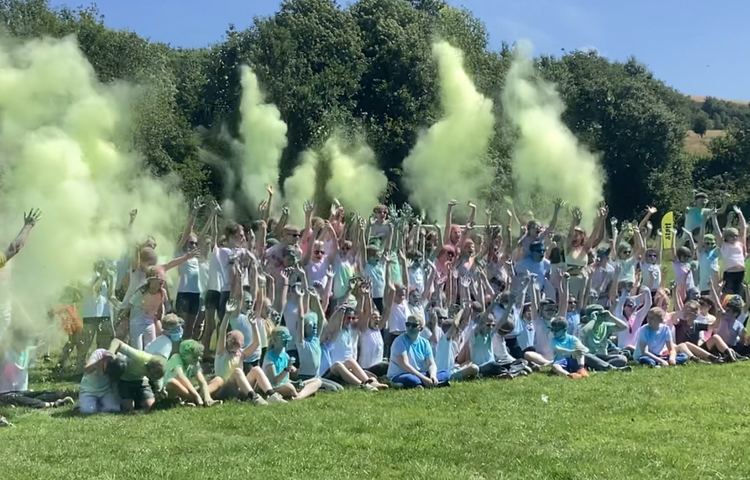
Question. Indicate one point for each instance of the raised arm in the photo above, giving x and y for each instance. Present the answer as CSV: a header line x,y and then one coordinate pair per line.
x,y
717,230
449,222
742,229
267,213
197,205
29,220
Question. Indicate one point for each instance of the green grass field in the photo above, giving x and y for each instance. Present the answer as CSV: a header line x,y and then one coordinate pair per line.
x,y
683,423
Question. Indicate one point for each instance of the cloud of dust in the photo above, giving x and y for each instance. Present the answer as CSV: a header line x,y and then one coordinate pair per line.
x,y
448,160
300,186
59,151
263,134
548,160
356,181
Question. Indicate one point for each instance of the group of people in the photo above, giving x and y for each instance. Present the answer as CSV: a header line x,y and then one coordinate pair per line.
x,y
267,312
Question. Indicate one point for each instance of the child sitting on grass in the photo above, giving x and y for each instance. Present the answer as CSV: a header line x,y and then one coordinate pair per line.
x,y
568,351
182,369
655,346
278,366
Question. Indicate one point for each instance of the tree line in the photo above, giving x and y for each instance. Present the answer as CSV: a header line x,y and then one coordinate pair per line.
x,y
368,66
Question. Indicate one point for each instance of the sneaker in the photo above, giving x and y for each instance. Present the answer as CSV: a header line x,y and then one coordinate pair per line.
x,y
583,373
506,376
63,402
257,400
742,358
275,398
380,386
369,387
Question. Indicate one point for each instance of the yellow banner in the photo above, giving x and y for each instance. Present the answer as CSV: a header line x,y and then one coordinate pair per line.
x,y
667,230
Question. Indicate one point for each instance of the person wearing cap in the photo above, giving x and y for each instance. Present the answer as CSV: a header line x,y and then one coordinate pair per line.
x,y
171,333
696,215
708,261
411,363
732,245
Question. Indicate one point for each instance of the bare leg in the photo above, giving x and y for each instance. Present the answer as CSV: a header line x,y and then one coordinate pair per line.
x,y
175,389
718,343
215,385
558,369
208,332
238,377
466,372
537,359
311,386
258,379
339,369
287,391
198,326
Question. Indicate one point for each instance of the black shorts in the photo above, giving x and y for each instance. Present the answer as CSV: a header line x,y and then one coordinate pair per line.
x,y
212,300
221,310
189,303
515,350
139,391
733,282
247,366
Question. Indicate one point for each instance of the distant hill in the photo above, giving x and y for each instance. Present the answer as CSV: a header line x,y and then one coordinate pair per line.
x,y
701,99
697,144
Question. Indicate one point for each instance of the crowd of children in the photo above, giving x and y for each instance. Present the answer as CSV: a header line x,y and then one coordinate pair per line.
x,y
270,313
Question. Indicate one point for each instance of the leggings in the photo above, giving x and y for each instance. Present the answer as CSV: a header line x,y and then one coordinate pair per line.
x,y
409,380
30,399
600,362
141,334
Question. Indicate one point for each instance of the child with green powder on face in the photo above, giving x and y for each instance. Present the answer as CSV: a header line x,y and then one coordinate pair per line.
x,y
182,369
598,325
568,350
278,367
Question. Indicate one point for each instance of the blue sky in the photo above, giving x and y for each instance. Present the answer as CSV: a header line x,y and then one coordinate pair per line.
x,y
698,47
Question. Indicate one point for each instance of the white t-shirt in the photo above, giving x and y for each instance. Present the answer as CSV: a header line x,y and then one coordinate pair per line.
x,y
427,333
399,313
446,353
189,275
542,340
14,370
316,272
214,275
162,345
371,348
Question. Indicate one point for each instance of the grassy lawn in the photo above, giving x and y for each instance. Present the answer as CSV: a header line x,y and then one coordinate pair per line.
x,y
685,422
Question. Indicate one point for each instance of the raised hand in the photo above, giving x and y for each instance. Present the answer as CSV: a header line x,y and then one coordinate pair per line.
x,y
471,204
285,209
309,207
466,281
198,203
650,210
269,189
217,207
194,253
262,206
559,203
452,203
32,217
577,214
286,274
613,222
330,272
737,210
133,214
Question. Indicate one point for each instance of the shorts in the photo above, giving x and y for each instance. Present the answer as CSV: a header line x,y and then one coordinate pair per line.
x,y
188,302
138,390
227,391
212,300
514,349
569,364
247,366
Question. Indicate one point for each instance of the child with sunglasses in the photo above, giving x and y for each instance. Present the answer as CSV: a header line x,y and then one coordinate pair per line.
x,y
568,351
412,364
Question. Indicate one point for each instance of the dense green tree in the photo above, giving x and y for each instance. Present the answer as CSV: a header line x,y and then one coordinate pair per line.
x,y
701,123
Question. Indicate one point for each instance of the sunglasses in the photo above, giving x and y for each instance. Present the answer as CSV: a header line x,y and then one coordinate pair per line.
x,y
627,252
295,235
490,325
652,255
191,243
412,325
319,252
572,302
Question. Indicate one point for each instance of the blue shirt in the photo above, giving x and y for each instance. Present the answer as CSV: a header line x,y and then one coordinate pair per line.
x,y
482,351
417,354
309,357
655,340
279,362
708,263
568,342
540,269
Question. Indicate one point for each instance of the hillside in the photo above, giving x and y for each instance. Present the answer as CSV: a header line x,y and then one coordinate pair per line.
x,y
697,144
702,98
